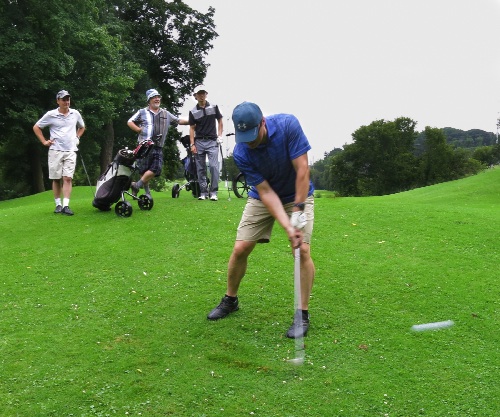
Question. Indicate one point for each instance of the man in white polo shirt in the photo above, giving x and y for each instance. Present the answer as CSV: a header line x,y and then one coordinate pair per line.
x,y
66,127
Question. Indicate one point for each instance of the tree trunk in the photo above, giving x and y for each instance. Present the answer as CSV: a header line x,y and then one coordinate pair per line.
x,y
107,146
36,167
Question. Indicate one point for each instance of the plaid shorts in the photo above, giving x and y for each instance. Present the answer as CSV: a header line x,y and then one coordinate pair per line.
x,y
153,162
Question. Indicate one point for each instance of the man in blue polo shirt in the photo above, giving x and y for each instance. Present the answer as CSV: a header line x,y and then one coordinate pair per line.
x,y
272,154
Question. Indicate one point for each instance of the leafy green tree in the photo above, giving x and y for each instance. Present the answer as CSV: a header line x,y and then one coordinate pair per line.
x,y
485,155
170,41
321,172
440,162
32,60
437,159
106,53
345,173
379,161
51,45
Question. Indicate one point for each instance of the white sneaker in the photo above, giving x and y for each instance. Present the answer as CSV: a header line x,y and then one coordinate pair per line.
x,y
213,197
202,197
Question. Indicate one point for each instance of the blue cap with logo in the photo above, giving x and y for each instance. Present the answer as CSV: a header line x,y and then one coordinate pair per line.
x,y
246,118
152,93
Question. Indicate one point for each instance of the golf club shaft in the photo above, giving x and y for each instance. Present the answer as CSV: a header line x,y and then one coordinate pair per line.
x,y
299,341
86,173
224,168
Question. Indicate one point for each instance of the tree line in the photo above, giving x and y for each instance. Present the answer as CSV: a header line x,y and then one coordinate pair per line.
x,y
106,53
387,157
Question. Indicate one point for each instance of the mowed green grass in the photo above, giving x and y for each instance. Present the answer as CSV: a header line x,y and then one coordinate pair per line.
x,y
106,316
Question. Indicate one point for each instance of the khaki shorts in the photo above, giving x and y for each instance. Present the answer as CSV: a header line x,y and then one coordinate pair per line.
x,y
256,223
61,164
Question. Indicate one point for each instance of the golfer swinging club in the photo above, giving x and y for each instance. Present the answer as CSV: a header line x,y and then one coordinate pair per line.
x,y
272,154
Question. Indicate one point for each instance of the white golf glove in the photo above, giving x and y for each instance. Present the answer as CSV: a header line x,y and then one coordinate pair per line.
x,y
77,141
298,219
219,140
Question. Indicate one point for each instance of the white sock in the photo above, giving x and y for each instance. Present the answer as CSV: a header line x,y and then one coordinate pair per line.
x,y
65,202
58,201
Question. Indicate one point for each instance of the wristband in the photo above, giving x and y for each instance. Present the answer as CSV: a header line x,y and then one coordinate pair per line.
x,y
301,206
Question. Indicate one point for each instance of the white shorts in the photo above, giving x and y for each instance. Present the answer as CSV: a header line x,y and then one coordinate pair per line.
x,y
61,164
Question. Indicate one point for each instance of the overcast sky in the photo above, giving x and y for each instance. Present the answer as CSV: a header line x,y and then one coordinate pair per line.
x,y
340,64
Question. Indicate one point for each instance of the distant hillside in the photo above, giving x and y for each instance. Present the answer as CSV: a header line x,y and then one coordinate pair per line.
x,y
469,139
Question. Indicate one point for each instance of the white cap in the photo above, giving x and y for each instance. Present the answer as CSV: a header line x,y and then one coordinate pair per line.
x,y
199,88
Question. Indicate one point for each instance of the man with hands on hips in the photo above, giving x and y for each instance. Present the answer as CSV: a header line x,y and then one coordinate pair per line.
x,y
271,152
66,127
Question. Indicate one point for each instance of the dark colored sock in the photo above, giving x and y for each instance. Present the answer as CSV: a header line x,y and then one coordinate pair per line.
x,y
231,298
305,314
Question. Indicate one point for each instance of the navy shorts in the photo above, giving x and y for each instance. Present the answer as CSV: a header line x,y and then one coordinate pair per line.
x,y
153,162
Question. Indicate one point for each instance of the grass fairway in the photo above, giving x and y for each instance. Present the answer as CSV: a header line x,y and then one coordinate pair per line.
x,y
106,316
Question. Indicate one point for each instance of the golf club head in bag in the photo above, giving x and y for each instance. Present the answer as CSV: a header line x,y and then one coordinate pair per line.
x,y
142,150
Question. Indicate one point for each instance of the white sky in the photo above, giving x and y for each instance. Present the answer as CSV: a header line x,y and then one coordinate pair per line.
x,y
340,64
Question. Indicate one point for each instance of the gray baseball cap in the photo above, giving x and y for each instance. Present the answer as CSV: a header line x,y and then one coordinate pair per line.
x,y
62,93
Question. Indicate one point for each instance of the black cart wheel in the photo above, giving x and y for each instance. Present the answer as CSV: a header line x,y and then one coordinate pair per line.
x,y
240,187
123,209
145,203
176,191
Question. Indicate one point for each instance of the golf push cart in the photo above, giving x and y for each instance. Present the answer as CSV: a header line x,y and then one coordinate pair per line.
x,y
114,183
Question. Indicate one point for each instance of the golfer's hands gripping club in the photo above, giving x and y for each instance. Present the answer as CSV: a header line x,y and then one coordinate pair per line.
x,y
298,220
295,236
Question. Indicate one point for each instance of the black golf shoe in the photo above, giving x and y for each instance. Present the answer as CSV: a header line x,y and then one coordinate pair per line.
x,y
58,209
225,307
300,325
67,211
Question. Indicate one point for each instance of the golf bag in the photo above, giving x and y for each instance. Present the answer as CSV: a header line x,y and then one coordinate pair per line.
x,y
114,183
190,172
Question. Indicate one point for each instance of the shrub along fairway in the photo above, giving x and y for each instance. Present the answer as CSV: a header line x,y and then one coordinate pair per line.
x,y
105,316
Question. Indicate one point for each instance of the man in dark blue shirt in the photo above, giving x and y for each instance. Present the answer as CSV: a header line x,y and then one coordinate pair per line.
x,y
205,141
272,154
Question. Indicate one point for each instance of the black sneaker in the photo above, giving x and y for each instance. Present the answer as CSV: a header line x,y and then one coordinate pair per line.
x,y
58,209
299,327
134,188
67,211
225,307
